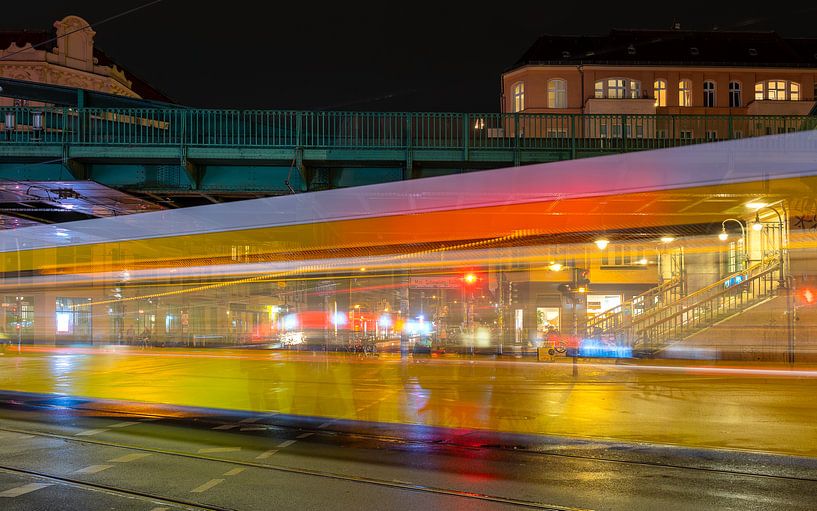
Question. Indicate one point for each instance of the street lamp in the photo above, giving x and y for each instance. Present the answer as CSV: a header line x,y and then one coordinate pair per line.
x,y
723,236
783,279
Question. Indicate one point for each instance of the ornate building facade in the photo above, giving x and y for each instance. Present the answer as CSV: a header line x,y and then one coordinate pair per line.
x,y
67,56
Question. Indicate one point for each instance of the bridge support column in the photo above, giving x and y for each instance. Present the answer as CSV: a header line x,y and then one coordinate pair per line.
x,y
78,170
409,170
195,173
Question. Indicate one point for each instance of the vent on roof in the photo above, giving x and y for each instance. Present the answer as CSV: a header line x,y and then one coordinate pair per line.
x,y
693,51
631,50
752,52
565,54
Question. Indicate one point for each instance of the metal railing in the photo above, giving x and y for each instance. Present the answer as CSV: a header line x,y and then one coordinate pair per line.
x,y
571,133
707,306
619,317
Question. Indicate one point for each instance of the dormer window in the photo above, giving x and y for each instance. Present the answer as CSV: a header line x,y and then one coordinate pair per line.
x,y
777,90
693,51
752,52
618,88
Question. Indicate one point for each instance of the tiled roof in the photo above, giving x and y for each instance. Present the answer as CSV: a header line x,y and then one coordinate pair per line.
x,y
22,37
673,47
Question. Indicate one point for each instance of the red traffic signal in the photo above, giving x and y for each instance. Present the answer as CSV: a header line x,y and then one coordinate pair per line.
x,y
470,278
806,296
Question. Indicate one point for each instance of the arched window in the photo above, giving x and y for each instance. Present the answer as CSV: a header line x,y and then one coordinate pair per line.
x,y
518,96
709,93
684,93
777,90
618,88
660,92
735,99
557,93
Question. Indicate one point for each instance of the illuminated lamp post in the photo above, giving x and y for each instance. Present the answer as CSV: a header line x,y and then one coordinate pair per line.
x,y
723,236
757,226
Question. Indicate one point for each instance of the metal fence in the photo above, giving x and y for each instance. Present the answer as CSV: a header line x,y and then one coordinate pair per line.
x,y
371,130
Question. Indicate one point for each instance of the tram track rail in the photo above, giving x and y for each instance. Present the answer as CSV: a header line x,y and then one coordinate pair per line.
x,y
403,441
112,490
392,484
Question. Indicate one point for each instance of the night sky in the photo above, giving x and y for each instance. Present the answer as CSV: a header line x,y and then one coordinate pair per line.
x,y
438,56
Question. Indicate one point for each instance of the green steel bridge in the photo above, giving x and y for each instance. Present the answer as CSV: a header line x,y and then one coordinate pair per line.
x,y
182,150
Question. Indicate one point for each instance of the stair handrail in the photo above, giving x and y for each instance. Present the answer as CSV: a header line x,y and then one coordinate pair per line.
x,y
607,316
766,270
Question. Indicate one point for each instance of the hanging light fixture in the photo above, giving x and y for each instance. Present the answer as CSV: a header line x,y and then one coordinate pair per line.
x,y
602,243
723,236
756,225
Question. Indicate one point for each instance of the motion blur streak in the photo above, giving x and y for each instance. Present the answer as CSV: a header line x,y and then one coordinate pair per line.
x,y
665,296
606,401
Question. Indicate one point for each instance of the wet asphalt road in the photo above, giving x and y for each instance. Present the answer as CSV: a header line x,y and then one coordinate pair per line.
x,y
67,453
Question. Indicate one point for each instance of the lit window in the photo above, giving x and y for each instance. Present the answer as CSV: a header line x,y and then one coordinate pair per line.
x,y
684,93
777,90
660,90
758,91
618,88
709,93
519,97
734,95
557,93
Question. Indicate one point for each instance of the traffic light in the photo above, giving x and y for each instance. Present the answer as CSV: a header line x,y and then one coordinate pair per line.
x,y
805,290
806,296
582,278
514,297
470,278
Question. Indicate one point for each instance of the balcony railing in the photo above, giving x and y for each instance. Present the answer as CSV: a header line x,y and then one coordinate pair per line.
x,y
573,133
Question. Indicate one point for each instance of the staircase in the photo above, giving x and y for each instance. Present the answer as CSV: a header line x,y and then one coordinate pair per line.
x,y
662,316
621,317
677,320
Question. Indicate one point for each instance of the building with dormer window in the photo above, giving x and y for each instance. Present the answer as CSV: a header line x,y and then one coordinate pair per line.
x,y
665,72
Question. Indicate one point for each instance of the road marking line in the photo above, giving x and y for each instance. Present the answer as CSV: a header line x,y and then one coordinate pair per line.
x,y
160,509
360,409
206,486
226,426
285,443
266,454
219,449
304,435
23,437
250,420
22,490
123,424
234,471
93,469
89,432
130,457
254,428
325,425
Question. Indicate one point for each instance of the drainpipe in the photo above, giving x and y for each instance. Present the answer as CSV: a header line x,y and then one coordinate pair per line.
x,y
580,69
